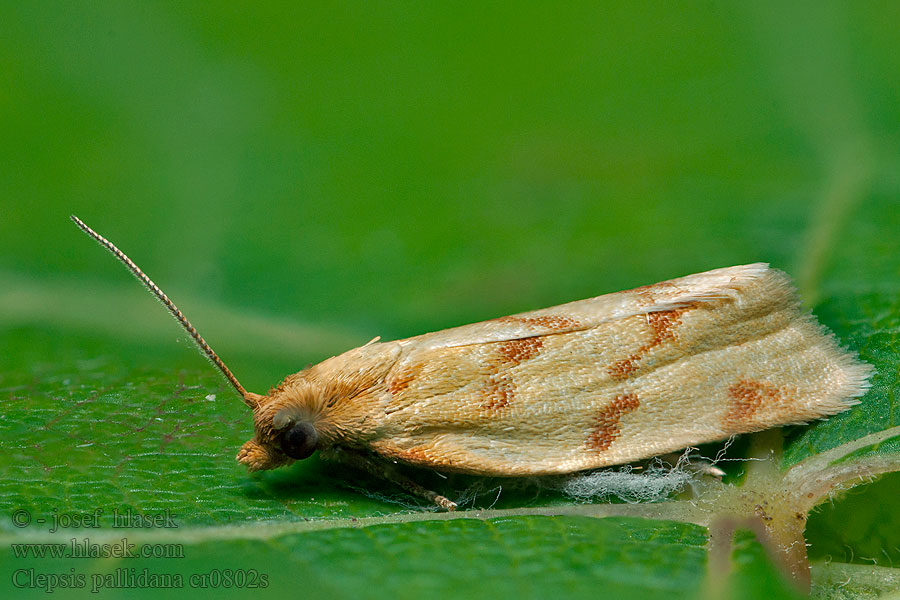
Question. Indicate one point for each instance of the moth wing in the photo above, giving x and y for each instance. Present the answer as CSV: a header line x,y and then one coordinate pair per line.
x,y
580,315
614,379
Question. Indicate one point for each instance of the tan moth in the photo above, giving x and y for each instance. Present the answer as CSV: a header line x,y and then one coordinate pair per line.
x,y
604,381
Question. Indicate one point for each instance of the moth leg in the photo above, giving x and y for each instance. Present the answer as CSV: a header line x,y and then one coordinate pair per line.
x,y
386,471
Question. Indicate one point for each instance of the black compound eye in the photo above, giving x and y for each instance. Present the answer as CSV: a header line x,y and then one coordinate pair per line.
x,y
300,441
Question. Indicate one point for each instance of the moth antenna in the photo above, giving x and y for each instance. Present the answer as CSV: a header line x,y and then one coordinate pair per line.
x,y
248,398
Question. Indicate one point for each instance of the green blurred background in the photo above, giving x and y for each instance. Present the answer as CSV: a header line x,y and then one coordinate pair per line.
x,y
348,170
300,179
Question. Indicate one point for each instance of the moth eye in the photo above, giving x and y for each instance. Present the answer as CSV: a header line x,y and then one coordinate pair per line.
x,y
300,441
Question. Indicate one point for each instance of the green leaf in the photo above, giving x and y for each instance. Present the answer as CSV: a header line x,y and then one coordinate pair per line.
x,y
754,573
626,557
865,314
861,526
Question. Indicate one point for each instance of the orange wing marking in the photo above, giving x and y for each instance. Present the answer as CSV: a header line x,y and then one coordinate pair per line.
x,y
500,388
662,328
606,425
747,397
404,378
548,321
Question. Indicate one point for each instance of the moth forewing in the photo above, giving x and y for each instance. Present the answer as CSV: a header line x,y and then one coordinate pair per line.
x,y
616,378
597,382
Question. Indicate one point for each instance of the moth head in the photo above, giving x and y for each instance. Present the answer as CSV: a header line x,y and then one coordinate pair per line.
x,y
285,428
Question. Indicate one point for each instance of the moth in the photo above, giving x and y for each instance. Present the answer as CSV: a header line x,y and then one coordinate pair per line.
x,y
604,381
